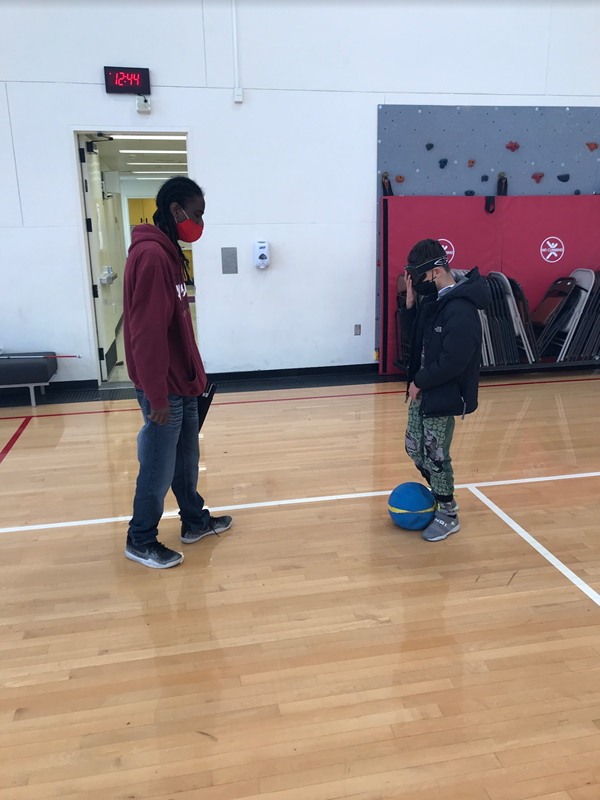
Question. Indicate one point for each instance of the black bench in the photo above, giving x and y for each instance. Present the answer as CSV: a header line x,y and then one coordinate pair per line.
x,y
27,370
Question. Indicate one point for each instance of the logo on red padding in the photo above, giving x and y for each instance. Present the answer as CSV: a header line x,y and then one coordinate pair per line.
x,y
552,249
448,247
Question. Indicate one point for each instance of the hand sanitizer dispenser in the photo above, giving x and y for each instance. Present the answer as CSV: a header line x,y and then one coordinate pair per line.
x,y
262,255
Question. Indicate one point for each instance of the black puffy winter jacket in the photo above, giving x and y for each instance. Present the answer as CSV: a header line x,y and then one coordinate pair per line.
x,y
445,333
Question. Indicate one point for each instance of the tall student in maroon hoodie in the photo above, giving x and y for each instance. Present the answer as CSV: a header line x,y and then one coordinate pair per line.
x,y
164,363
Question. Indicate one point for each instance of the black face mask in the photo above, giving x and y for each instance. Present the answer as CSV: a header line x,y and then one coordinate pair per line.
x,y
425,288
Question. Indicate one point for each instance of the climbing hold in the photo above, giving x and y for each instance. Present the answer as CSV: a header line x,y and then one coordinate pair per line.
x,y
577,191
485,178
469,192
386,185
537,176
443,162
379,263
512,146
472,162
429,146
563,178
399,178
592,145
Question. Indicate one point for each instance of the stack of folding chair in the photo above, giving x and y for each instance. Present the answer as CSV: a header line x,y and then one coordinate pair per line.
x,y
583,317
519,329
586,280
589,330
553,315
591,348
504,340
524,313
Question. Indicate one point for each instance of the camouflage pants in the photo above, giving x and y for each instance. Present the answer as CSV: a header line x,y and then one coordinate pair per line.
x,y
428,444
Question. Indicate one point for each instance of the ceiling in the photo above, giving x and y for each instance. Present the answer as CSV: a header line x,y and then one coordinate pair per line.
x,y
144,164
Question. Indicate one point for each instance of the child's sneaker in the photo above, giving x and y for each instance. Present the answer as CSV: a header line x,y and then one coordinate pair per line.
x,y
445,522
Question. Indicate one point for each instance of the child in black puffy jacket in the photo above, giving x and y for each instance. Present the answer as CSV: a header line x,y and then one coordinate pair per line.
x,y
445,335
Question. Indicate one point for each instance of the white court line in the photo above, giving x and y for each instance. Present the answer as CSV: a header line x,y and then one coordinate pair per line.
x,y
171,514
167,514
294,501
532,480
569,574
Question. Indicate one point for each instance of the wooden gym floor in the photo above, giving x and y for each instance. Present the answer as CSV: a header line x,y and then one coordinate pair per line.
x,y
315,651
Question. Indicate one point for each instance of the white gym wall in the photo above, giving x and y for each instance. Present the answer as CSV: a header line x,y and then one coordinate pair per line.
x,y
294,164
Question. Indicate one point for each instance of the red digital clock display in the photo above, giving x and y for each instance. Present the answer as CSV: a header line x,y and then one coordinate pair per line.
x,y
127,80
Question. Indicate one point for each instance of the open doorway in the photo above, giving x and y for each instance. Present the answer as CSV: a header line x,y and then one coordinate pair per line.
x,y
120,177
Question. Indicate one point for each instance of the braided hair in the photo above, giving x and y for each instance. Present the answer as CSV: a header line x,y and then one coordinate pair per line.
x,y
175,190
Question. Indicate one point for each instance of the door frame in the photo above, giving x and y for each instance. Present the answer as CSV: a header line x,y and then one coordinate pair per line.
x,y
76,131
83,153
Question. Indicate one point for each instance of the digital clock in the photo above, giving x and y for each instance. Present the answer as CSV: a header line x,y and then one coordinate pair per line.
x,y
127,80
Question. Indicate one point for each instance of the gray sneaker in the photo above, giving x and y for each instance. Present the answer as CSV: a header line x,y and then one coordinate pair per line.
x,y
154,555
216,525
445,522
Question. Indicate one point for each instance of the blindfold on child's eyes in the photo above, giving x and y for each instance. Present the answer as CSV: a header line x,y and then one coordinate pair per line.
x,y
417,272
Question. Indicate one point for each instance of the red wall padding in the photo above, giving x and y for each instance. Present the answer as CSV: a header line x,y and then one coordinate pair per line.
x,y
529,221
510,240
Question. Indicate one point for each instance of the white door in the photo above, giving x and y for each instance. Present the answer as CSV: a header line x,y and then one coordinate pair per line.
x,y
106,249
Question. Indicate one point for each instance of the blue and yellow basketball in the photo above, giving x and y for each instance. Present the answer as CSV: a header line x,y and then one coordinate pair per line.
x,y
412,506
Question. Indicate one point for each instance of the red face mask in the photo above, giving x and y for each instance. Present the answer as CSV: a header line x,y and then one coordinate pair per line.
x,y
189,231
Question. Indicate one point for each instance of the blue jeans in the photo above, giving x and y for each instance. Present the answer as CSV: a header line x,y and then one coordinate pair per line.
x,y
168,456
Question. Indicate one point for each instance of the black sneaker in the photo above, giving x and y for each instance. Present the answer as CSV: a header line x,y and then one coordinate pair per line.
x,y
154,555
216,525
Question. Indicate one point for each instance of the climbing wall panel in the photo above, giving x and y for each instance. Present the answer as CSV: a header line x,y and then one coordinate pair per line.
x,y
521,141
453,151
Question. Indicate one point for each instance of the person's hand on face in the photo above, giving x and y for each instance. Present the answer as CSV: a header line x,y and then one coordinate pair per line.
x,y
410,292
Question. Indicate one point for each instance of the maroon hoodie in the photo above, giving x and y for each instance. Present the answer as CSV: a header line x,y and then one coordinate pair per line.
x,y
161,351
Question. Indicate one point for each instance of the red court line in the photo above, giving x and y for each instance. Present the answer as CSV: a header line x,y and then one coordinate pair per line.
x,y
12,442
228,403
73,413
296,399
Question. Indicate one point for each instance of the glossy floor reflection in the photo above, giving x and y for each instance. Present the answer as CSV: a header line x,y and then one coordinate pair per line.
x,y
315,651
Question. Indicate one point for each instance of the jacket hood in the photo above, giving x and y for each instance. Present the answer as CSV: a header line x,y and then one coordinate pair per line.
x,y
473,287
143,234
